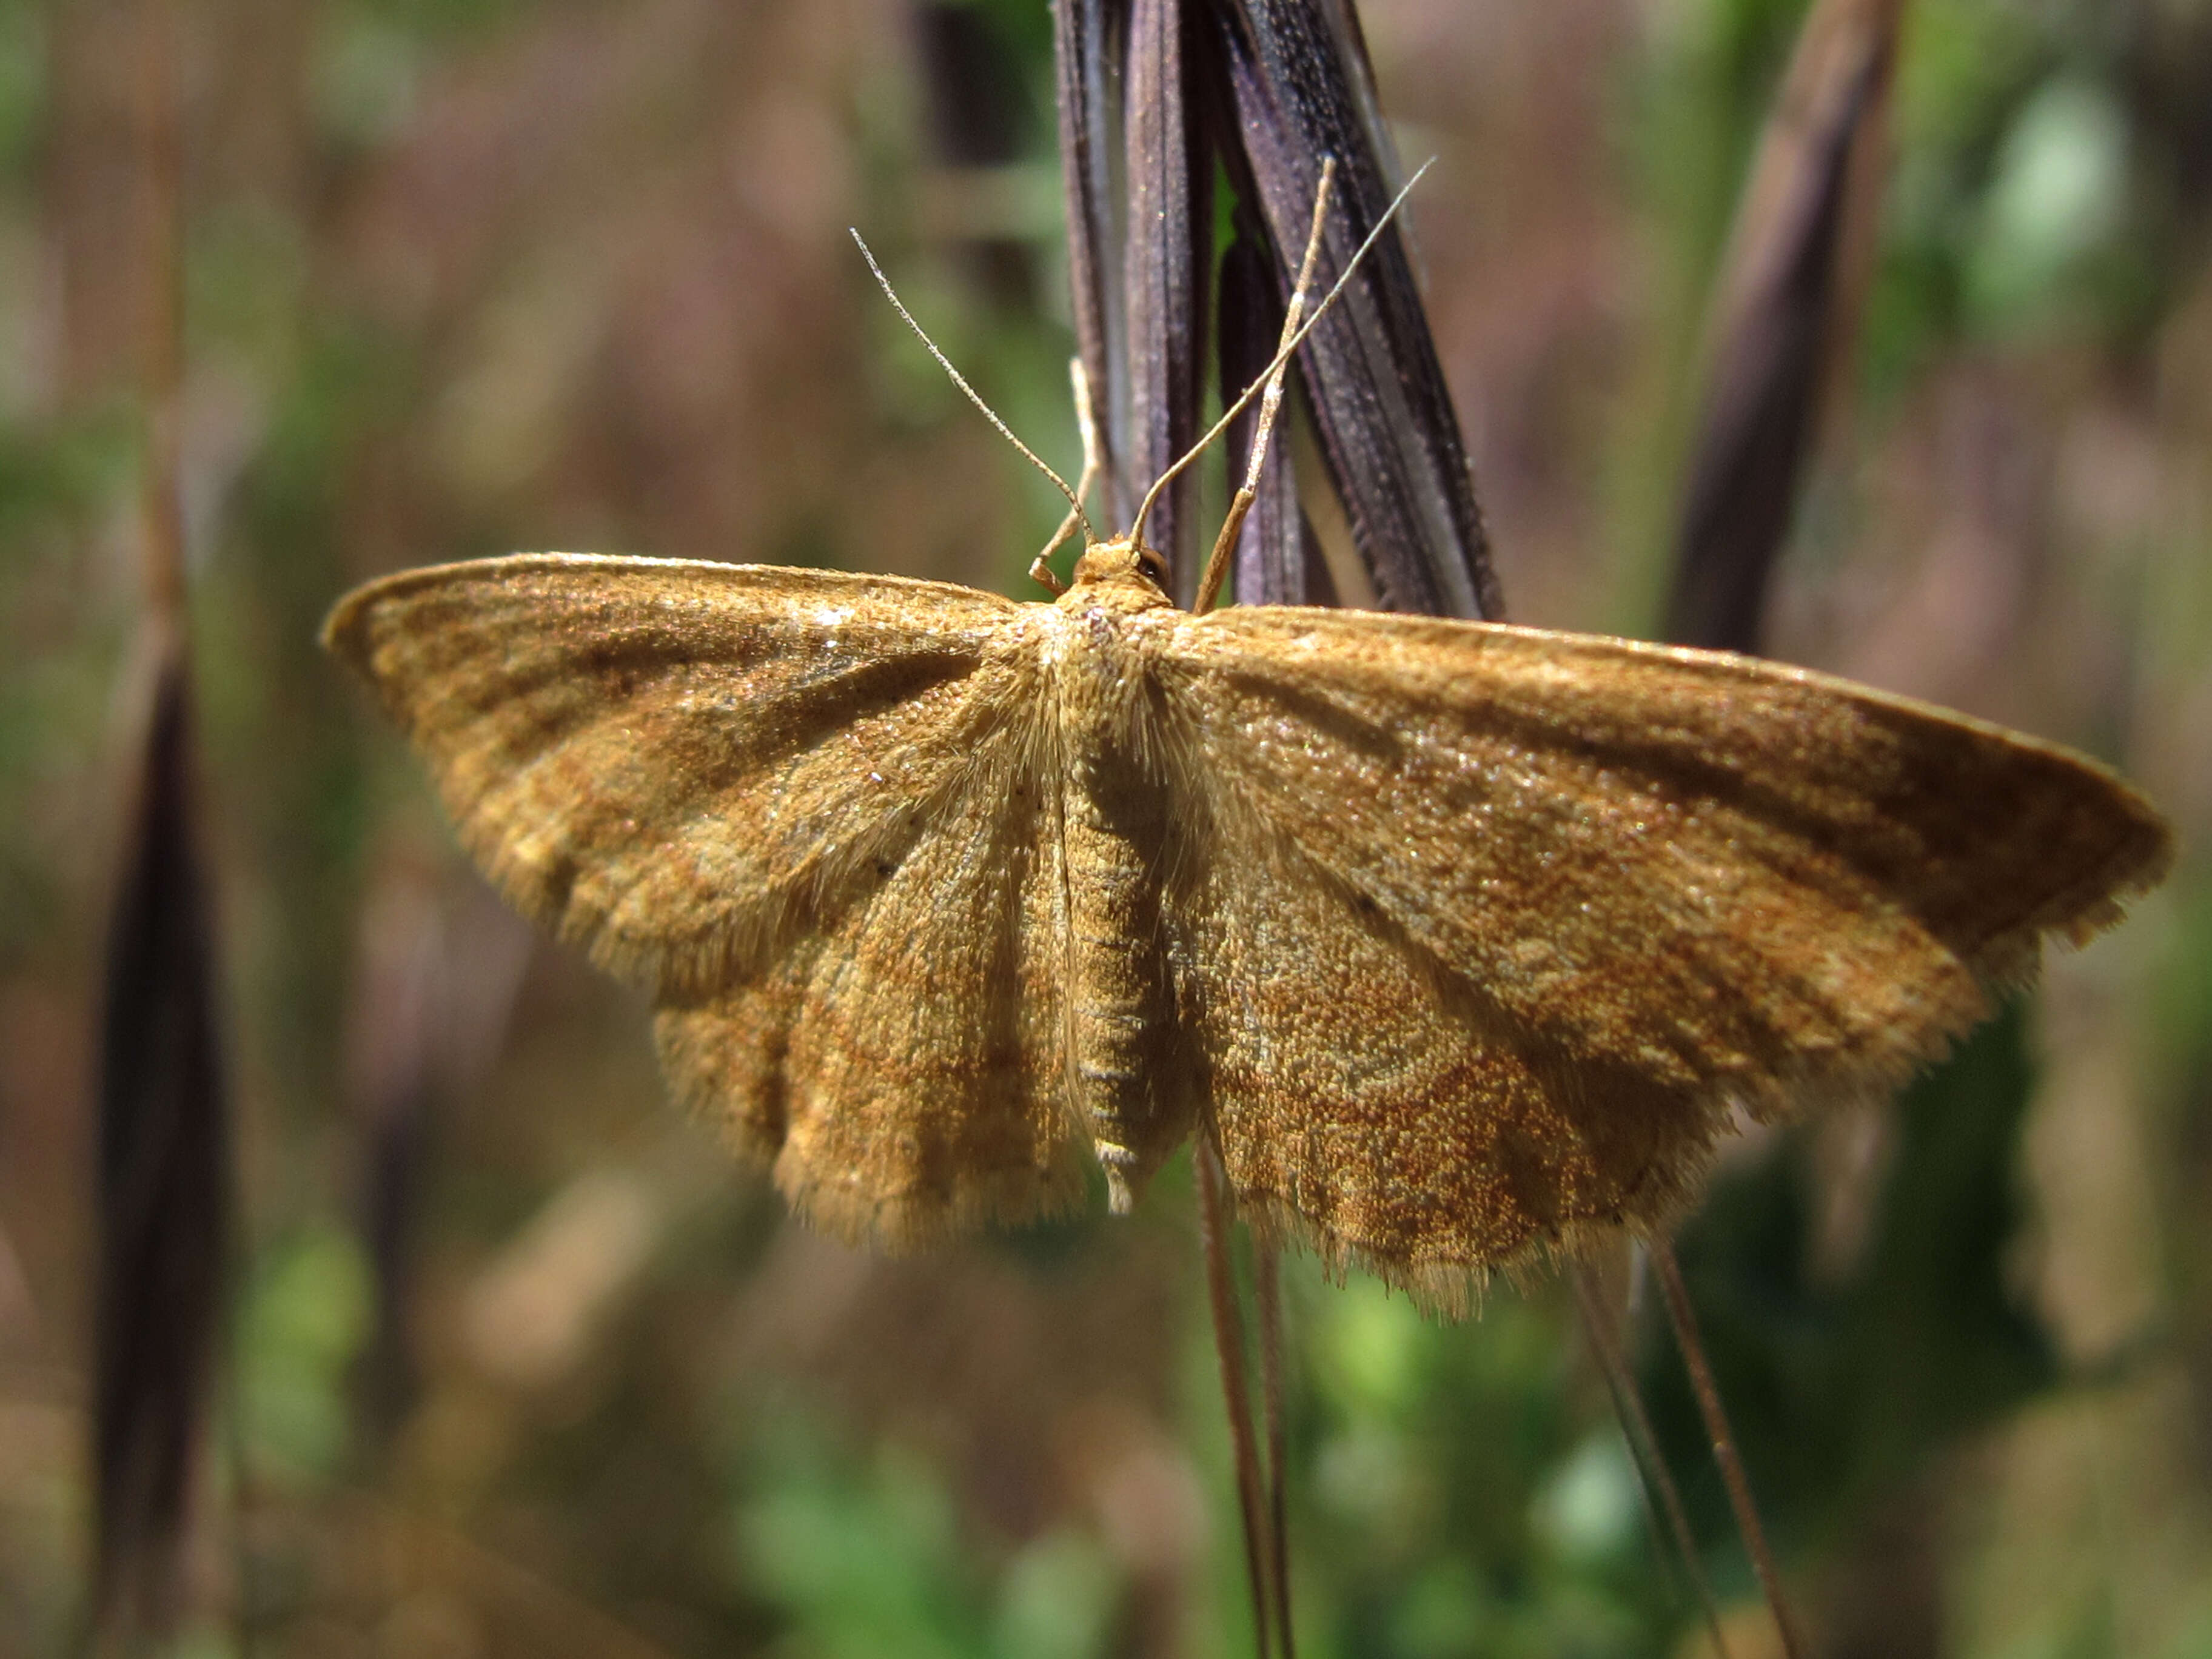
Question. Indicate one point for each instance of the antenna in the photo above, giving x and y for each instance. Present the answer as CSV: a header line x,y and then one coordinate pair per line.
x,y
1290,346
976,397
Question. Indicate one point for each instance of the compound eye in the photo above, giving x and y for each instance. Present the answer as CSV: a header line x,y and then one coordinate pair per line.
x,y
1154,567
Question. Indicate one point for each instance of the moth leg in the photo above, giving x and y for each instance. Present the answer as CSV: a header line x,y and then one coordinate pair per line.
x,y
1086,422
1271,403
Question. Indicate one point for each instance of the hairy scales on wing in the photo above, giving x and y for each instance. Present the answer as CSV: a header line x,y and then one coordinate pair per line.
x,y
1645,884
901,1069
1721,869
805,809
679,764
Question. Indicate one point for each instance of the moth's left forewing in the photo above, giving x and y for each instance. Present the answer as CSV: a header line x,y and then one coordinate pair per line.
x,y
676,763
1658,883
808,810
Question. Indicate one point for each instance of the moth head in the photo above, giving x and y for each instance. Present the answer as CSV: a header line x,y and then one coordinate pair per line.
x,y
1123,561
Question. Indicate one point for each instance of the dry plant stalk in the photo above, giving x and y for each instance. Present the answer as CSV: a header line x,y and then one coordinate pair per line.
x,y
1267,1292
1784,313
163,1192
1684,1319
1153,95
1262,1492
1253,1490
1657,1482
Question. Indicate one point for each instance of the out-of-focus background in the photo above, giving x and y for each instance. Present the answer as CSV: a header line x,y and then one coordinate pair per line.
x,y
517,1364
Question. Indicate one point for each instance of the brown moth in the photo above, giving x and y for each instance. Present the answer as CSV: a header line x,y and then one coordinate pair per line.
x,y
1460,941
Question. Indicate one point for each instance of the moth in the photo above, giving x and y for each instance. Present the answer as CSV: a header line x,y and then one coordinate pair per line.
x,y
1460,942
1458,939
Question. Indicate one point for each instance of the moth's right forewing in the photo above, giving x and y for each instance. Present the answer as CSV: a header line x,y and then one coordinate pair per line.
x,y
680,765
1726,875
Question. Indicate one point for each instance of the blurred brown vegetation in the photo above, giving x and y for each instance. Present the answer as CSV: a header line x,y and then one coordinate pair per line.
x,y
519,1364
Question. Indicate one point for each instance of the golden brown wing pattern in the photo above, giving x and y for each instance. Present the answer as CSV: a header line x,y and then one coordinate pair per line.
x,y
800,806
902,1070
1496,924
671,762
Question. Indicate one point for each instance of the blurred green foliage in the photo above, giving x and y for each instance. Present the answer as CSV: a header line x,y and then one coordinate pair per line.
x,y
1844,1386
302,1321
1456,1491
863,1553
